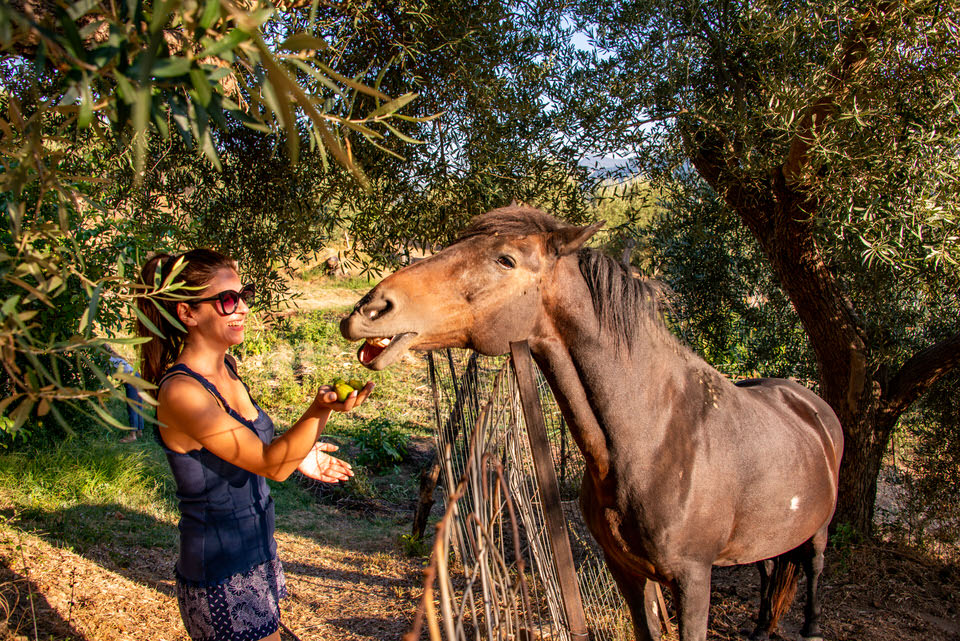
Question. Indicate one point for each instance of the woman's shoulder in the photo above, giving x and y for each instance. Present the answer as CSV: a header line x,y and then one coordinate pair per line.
x,y
181,390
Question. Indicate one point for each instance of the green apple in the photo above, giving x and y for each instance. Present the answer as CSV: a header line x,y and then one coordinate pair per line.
x,y
343,390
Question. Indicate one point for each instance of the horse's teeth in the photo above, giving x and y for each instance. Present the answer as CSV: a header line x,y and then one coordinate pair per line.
x,y
379,342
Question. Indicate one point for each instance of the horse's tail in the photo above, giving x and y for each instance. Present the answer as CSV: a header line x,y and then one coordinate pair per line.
x,y
786,575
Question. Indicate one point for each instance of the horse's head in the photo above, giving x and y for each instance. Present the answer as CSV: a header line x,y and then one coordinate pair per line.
x,y
482,292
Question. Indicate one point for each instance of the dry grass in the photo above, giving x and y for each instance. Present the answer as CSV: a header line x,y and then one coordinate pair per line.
x,y
343,584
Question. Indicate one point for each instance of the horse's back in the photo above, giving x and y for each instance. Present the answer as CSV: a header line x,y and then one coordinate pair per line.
x,y
792,400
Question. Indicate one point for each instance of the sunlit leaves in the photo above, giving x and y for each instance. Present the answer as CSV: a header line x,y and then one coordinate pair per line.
x,y
207,54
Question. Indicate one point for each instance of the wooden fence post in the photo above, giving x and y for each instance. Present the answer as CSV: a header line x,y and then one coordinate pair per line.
x,y
523,367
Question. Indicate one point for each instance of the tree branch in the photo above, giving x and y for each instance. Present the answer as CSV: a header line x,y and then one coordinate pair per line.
x,y
920,372
851,61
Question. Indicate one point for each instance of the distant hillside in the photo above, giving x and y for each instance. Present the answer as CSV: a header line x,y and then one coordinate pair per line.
x,y
609,167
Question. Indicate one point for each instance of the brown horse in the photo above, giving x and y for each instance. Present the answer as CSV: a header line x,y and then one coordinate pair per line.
x,y
685,470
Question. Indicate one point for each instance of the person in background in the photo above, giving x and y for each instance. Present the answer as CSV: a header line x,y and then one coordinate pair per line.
x,y
135,418
222,448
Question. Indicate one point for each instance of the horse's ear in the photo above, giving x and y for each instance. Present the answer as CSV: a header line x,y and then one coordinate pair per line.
x,y
569,239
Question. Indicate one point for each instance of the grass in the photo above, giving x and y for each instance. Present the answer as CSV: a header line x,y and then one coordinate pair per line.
x,y
306,352
91,489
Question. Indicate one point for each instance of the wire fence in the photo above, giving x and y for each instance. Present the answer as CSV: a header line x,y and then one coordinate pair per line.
x,y
492,573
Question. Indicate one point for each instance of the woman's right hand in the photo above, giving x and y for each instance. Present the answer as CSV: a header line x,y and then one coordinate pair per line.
x,y
327,398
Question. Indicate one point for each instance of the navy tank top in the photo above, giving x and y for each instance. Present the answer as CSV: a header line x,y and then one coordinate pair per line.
x,y
226,513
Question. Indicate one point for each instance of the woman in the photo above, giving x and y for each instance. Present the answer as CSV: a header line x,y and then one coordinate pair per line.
x,y
221,449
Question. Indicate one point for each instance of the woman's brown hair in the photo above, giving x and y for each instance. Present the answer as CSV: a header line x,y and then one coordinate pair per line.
x,y
200,267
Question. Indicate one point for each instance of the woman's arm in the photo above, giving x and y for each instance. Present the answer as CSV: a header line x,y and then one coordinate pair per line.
x,y
194,419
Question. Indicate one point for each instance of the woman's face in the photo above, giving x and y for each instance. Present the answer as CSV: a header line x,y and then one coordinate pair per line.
x,y
206,318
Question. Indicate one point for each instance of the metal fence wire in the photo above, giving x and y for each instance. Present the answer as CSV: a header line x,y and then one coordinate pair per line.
x,y
492,574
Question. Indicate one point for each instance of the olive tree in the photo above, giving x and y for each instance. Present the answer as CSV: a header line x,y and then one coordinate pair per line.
x,y
829,132
478,136
260,129
86,88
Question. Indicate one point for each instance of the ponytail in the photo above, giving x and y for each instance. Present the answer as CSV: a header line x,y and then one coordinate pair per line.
x,y
200,267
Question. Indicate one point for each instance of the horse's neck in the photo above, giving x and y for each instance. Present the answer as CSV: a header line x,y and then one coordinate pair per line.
x,y
613,396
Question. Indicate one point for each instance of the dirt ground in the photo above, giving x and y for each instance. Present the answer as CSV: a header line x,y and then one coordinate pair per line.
x,y
335,591
869,593
344,587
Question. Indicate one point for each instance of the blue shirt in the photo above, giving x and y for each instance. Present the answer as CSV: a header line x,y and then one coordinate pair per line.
x,y
125,367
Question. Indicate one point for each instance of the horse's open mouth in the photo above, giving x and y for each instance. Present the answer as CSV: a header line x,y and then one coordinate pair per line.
x,y
378,353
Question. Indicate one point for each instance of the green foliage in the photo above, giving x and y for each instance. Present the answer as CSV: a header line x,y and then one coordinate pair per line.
x,y
628,206
930,510
86,94
726,305
381,442
741,79
315,327
413,545
846,536
194,67
258,341
53,304
844,540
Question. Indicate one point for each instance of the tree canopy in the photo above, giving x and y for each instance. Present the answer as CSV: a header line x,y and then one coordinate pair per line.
x,y
830,133
261,129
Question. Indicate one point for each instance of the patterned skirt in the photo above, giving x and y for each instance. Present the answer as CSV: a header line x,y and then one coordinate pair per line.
x,y
244,607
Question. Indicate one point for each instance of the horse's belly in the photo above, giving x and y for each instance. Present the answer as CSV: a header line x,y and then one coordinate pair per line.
x,y
755,539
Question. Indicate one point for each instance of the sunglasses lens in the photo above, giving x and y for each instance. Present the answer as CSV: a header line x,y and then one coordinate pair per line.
x,y
229,300
248,294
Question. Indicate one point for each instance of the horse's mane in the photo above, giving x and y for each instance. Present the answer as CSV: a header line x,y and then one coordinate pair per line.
x,y
620,301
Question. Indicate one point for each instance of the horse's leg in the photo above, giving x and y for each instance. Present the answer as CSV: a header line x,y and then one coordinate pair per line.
x,y
813,567
760,632
641,597
693,601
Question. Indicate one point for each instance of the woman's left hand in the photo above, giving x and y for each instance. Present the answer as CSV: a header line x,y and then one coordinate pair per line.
x,y
321,466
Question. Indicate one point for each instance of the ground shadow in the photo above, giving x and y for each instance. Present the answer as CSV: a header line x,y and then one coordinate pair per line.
x,y
143,549
347,576
374,627
132,544
28,613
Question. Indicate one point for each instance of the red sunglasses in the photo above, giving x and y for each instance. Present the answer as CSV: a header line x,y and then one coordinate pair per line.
x,y
230,299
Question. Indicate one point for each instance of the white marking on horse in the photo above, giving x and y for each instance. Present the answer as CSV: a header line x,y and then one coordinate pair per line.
x,y
794,503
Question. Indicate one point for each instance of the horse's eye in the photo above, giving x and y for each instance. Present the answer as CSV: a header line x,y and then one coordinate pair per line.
x,y
506,262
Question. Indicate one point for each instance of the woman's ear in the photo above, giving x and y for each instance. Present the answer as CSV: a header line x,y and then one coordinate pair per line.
x,y
186,314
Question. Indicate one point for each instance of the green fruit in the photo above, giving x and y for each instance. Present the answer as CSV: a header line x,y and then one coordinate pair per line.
x,y
343,391
355,383
339,381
